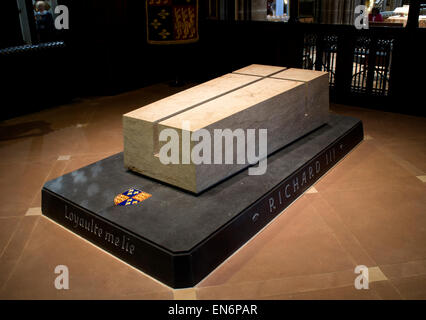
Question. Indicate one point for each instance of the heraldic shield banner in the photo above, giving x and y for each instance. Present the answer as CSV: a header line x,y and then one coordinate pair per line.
x,y
172,21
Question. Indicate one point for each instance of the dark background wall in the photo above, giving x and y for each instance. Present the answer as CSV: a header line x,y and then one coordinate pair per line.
x,y
106,53
9,25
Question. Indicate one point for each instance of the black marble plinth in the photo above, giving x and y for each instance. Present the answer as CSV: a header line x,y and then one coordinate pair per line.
x,y
178,237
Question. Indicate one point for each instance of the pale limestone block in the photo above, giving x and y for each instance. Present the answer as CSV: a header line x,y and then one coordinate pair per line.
x,y
317,92
140,129
259,70
287,108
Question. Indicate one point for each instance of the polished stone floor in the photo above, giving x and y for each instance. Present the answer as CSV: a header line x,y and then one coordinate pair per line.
x,y
369,210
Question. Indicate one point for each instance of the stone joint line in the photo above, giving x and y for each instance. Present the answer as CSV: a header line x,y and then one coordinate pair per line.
x,y
259,78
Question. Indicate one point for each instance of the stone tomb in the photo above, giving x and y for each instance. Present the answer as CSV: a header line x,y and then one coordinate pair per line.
x,y
176,236
288,103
